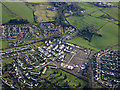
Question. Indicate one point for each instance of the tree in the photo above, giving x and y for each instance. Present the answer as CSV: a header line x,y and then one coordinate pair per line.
x,y
79,85
61,74
65,76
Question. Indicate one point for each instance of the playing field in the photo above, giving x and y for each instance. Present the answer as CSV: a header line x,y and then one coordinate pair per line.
x,y
17,9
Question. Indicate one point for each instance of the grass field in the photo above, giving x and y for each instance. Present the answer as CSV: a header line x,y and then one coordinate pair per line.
x,y
42,14
98,13
59,79
81,42
20,10
6,61
77,22
113,12
6,15
96,22
109,36
3,45
89,7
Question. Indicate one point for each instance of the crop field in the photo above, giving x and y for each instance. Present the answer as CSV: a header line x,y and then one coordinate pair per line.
x,y
96,22
42,14
109,36
57,77
20,10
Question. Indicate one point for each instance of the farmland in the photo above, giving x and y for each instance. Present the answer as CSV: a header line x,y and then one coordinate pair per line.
x,y
106,27
98,13
96,22
17,9
81,42
77,22
108,31
89,7
113,12
6,15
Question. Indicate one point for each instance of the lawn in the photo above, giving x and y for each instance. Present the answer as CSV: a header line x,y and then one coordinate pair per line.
x,y
3,45
96,22
109,36
77,22
21,10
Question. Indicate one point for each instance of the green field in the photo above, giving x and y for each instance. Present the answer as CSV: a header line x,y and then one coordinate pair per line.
x,y
109,36
6,61
113,12
59,79
17,9
6,15
3,45
96,22
42,14
89,7
77,22
98,13
81,42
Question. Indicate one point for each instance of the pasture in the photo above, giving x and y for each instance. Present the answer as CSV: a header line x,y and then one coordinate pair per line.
x,y
77,22
109,36
90,8
81,42
19,9
96,22
6,15
113,12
